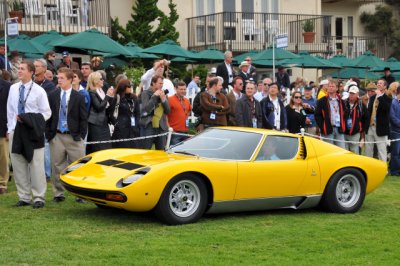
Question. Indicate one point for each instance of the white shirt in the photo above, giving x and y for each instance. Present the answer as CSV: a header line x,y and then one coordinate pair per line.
x,y
146,78
230,74
277,113
36,102
259,95
68,94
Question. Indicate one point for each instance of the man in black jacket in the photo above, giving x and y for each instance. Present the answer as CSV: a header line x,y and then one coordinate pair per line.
x,y
225,71
4,153
378,130
66,129
330,114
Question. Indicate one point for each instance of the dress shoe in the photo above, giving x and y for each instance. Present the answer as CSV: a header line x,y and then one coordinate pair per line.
x,y
22,203
3,191
59,199
38,204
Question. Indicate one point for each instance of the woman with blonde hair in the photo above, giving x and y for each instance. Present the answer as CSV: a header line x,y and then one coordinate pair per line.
x,y
101,104
392,89
296,115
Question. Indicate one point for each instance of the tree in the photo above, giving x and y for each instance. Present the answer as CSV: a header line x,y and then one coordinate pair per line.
x,y
384,23
166,29
143,28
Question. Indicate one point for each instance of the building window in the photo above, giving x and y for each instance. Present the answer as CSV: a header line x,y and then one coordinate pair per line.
x,y
230,33
199,7
200,33
228,6
350,27
247,9
211,33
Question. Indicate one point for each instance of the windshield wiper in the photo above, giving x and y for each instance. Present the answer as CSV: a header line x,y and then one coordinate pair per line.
x,y
185,152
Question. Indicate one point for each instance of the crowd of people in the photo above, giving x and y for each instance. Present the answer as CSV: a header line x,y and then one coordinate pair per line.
x,y
53,114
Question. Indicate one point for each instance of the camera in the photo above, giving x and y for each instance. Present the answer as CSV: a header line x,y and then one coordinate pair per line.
x,y
166,91
167,62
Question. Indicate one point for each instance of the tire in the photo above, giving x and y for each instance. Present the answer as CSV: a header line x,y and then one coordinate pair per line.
x,y
104,207
183,201
345,192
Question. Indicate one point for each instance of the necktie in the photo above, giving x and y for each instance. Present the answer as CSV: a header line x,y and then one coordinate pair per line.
x,y
21,104
63,113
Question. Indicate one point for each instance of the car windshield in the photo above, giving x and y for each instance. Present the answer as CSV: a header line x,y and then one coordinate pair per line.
x,y
220,144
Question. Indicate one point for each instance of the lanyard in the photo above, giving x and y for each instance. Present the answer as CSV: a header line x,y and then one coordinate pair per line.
x,y
27,95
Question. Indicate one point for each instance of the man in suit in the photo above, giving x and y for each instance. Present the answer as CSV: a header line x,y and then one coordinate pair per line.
x,y
234,95
66,129
4,170
225,71
378,130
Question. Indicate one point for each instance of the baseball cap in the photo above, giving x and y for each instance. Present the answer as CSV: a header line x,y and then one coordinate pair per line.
x,y
354,89
65,54
371,86
324,82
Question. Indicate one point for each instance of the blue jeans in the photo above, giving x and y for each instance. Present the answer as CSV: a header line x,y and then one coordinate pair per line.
x,y
394,164
335,138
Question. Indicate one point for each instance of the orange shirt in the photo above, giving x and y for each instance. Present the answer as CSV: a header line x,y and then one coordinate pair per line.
x,y
180,111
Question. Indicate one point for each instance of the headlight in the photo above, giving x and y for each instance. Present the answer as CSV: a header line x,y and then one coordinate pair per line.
x,y
132,178
80,163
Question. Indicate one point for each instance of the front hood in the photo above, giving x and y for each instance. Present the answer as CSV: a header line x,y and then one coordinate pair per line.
x,y
107,167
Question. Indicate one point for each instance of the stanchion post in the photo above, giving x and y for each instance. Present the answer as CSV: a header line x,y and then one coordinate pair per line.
x,y
302,130
170,130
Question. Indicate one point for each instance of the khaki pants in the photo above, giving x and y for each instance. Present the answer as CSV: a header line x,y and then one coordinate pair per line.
x,y
64,150
4,160
369,147
353,147
30,178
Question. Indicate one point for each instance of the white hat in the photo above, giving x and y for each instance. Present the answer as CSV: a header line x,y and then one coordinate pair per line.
x,y
213,70
349,84
324,82
345,95
244,63
354,89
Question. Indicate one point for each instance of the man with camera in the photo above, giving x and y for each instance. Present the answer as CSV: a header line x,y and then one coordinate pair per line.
x,y
158,69
153,115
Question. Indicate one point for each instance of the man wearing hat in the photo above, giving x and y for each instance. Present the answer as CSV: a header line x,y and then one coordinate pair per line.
x,y
394,165
67,62
244,67
388,76
357,119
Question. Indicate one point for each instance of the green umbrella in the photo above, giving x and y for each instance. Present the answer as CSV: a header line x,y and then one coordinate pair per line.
x,y
169,48
137,52
355,72
391,63
242,57
183,60
210,54
280,54
91,41
23,44
308,61
341,60
367,60
113,60
48,37
267,63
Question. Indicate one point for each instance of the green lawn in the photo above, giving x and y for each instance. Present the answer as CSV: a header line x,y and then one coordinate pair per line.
x,y
70,233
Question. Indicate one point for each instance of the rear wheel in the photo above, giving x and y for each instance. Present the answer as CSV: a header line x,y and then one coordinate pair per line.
x,y
183,200
345,192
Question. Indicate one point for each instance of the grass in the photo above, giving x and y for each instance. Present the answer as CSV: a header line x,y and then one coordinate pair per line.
x,y
70,233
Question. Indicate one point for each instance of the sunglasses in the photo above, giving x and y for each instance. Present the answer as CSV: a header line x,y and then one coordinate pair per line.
x,y
297,97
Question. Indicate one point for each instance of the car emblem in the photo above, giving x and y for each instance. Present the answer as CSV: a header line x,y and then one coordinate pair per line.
x,y
84,178
313,173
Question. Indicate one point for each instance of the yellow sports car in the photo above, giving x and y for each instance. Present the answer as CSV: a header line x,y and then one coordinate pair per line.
x,y
226,170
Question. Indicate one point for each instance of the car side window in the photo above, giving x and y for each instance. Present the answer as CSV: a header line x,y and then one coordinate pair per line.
x,y
278,148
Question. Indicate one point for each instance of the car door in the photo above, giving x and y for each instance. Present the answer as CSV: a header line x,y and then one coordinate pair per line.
x,y
278,170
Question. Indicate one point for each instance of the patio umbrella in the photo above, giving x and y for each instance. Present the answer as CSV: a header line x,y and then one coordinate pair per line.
x,y
210,55
367,60
355,72
267,63
242,57
169,48
341,60
91,41
137,52
48,37
280,54
23,44
391,63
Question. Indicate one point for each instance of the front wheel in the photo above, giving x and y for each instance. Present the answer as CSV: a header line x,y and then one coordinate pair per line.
x,y
345,192
183,200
